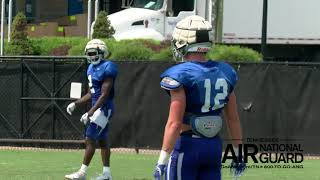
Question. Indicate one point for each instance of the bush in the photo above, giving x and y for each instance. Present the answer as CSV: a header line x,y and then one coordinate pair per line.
x,y
23,48
47,45
102,27
13,50
164,55
77,50
78,46
61,50
156,46
234,54
130,51
20,44
137,49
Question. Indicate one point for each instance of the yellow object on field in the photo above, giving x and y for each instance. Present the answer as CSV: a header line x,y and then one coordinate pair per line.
x,y
33,28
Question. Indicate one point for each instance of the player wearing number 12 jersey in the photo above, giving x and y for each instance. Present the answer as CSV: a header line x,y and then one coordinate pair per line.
x,y
200,91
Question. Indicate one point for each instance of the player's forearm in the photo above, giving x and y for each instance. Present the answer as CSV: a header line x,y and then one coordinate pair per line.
x,y
233,120
171,135
105,89
174,124
98,104
83,99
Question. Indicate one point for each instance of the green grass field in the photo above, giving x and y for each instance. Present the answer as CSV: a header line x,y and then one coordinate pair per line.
x,y
53,165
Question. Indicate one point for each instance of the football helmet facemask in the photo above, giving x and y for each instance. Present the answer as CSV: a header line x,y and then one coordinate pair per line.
x,y
191,35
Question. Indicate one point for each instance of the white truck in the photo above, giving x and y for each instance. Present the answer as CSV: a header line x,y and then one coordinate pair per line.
x,y
293,31
155,19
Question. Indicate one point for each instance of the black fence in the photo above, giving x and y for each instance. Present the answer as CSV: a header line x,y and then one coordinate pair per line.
x,y
278,100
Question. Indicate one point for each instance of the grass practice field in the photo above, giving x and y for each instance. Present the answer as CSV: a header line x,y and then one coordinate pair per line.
x,y
53,165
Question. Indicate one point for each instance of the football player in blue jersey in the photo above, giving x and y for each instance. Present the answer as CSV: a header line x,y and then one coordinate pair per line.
x,y
101,76
200,91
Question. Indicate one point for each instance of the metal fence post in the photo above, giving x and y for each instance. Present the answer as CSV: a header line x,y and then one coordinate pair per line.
x,y
264,29
89,19
3,4
96,10
21,96
53,96
9,20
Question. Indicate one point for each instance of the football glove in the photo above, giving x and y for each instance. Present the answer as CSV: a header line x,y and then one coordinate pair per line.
x,y
159,171
71,107
237,168
84,118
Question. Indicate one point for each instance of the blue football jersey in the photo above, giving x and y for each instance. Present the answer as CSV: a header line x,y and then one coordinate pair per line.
x,y
207,85
96,75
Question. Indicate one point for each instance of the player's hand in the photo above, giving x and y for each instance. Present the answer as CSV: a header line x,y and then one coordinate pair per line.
x,y
159,171
237,168
71,107
84,118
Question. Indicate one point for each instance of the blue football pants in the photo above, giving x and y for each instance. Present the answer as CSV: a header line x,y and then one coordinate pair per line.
x,y
195,159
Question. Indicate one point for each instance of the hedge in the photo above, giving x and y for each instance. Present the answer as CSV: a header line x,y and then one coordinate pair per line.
x,y
139,49
234,54
46,45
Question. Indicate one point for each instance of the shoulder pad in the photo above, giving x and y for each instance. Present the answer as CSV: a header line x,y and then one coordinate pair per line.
x,y
111,69
230,72
169,83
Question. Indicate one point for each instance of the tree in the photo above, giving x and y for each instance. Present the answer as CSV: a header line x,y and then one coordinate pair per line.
x,y
102,27
20,44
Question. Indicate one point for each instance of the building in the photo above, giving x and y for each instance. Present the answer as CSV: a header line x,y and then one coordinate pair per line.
x,y
46,10
58,17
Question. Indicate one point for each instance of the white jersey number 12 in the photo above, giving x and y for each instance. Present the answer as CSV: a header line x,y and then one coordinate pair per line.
x,y
220,83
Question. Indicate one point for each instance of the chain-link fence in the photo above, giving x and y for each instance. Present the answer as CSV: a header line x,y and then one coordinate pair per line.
x,y
274,100
35,91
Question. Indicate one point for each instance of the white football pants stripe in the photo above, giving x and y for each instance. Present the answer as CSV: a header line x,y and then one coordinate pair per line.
x,y
179,165
168,169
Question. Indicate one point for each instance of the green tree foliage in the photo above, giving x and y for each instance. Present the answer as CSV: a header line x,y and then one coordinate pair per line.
x,y
102,27
20,44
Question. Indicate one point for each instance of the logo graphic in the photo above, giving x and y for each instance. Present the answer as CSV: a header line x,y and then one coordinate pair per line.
x,y
266,153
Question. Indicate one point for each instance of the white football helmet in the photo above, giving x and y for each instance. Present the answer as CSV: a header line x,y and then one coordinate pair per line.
x,y
191,35
95,51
